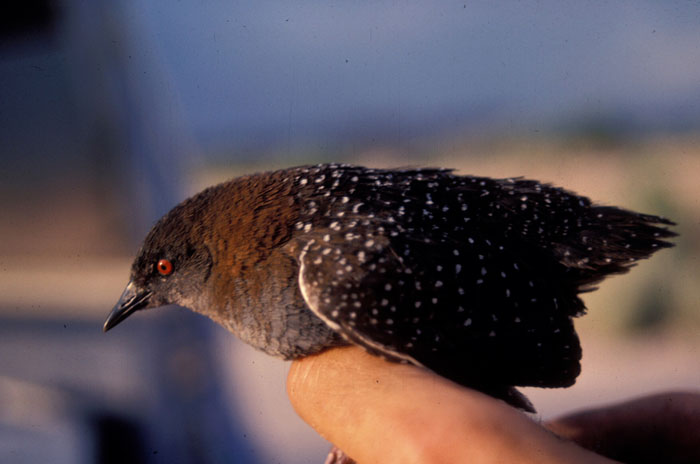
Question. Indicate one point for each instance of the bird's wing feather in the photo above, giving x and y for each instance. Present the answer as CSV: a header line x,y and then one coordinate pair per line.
x,y
334,283
384,290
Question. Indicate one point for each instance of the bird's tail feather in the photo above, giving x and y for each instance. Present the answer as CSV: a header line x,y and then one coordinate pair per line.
x,y
611,241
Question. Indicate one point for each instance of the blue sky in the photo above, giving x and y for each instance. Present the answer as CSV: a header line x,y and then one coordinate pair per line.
x,y
242,70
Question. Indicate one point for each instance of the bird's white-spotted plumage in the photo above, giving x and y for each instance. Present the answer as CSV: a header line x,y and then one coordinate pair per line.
x,y
474,278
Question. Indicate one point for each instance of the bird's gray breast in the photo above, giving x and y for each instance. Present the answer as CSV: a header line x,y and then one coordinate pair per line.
x,y
269,312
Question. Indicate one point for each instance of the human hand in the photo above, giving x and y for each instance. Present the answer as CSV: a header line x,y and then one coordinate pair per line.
x,y
657,428
376,411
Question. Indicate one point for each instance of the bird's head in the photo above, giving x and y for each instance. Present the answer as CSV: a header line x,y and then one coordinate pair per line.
x,y
171,267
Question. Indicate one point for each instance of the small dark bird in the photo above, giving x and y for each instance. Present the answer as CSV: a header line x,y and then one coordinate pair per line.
x,y
476,279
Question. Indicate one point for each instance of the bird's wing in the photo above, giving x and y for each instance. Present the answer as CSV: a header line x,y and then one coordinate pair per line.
x,y
468,311
342,284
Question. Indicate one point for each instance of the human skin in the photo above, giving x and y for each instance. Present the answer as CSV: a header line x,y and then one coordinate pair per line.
x,y
381,412
663,427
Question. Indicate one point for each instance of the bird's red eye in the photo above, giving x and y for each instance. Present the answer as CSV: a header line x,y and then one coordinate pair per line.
x,y
165,267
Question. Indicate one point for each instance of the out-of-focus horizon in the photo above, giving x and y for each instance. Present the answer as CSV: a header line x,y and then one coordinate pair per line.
x,y
112,112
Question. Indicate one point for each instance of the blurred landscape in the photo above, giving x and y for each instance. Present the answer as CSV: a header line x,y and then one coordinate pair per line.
x,y
110,114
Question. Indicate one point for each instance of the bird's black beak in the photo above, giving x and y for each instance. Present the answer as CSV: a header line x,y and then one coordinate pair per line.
x,y
131,300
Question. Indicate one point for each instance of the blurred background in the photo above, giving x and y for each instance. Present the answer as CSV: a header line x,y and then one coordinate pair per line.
x,y
113,112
